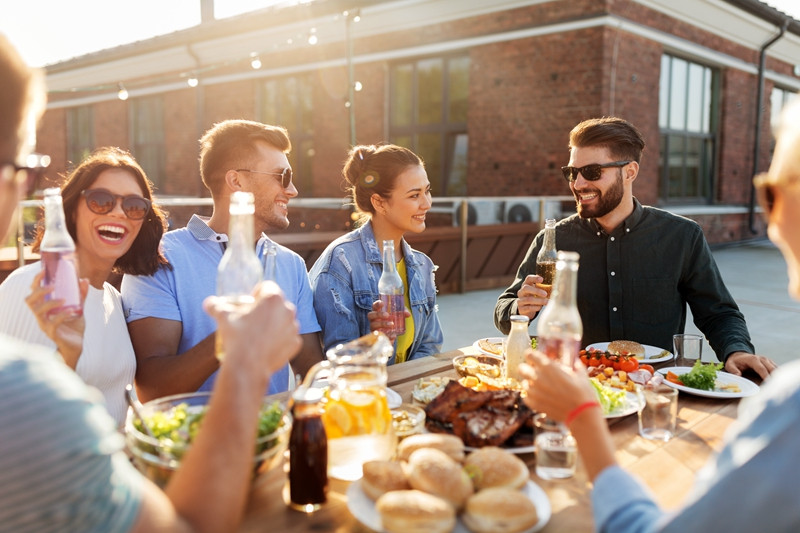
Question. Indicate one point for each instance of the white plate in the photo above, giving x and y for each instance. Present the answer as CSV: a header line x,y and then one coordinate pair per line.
x,y
652,354
363,508
631,406
747,387
510,449
493,340
393,398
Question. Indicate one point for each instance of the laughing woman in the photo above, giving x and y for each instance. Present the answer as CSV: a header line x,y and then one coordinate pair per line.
x,y
116,228
392,195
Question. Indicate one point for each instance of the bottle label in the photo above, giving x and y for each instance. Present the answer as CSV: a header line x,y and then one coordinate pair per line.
x,y
394,304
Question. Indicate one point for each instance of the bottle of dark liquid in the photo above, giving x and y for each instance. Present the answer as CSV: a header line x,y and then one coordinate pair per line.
x,y
308,452
546,259
559,326
390,288
239,270
58,255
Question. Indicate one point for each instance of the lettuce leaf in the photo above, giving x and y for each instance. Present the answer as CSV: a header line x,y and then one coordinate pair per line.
x,y
610,398
701,376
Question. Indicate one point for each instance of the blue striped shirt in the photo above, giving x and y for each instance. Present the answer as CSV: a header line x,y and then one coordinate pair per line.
x,y
61,464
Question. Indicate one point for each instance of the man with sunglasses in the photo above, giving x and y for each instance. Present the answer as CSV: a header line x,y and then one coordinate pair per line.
x,y
172,335
640,266
62,464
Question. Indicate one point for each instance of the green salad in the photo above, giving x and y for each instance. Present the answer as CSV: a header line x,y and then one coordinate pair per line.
x,y
177,427
701,376
610,399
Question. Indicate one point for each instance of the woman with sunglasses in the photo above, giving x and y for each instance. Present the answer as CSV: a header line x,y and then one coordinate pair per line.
x,y
116,228
392,195
752,483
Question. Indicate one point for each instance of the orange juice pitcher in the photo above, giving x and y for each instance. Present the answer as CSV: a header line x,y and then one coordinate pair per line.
x,y
356,413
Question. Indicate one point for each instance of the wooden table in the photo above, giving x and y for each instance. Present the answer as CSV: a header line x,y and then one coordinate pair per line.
x,y
667,468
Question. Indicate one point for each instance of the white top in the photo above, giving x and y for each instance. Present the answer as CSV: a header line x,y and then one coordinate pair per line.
x,y
107,362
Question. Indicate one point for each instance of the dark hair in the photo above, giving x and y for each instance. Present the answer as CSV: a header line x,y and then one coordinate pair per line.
x,y
619,136
144,256
372,169
231,144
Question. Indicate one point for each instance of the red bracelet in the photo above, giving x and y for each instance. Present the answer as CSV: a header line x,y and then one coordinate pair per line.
x,y
578,410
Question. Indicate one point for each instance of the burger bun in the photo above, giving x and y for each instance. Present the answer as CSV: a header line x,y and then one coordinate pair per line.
x,y
414,511
499,510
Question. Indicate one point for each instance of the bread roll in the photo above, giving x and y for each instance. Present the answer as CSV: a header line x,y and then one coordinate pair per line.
x,y
626,348
449,444
414,511
499,510
381,477
433,471
494,467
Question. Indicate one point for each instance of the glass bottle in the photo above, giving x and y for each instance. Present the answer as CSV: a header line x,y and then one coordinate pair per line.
x,y
57,251
547,256
270,260
516,344
559,327
239,269
308,451
390,288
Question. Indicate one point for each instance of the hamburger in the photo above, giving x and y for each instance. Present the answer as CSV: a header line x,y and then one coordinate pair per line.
x,y
626,348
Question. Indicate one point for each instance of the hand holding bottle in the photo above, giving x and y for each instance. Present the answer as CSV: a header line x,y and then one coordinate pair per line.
x,y
59,323
530,297
381,320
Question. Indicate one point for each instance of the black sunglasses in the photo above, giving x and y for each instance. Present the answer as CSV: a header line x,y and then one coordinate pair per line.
x,y
35,166
285,174
765,191
101,201
589,172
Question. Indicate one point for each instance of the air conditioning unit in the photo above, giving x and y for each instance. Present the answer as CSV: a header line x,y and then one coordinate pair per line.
x,y
480,213
527,210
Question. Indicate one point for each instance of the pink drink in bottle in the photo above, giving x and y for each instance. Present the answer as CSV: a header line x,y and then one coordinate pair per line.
x,y
391,290
58,256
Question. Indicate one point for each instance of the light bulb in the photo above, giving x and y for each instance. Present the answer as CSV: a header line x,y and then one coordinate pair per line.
x,y
255,63
312,39
357,86
192,81
122,94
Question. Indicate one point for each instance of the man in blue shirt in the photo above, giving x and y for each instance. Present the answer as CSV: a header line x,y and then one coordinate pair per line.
x,y
171,334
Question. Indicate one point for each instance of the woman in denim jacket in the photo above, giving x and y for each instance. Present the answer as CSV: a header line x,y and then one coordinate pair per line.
x,y
392,195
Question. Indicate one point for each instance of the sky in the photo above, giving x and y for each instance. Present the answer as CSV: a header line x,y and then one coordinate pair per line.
x,y
48,31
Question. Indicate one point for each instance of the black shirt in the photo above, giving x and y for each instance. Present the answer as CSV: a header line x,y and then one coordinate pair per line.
x,y
634,283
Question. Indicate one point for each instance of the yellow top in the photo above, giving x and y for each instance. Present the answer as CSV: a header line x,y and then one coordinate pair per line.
x,y
404,341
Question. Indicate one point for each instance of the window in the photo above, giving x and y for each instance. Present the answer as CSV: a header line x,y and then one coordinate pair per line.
x,y
147,132
778,100
288,102
80,134
428,114
687,123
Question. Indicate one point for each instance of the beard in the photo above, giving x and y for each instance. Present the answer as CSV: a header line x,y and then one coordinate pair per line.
x,y
607,201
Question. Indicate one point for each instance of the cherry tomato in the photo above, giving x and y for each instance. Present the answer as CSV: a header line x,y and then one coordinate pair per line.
x,y
593,361
604,359
629,364
649,368
585,359
616,362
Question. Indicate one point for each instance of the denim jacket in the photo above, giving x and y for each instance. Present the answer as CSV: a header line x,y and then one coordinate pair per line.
x,y
344,281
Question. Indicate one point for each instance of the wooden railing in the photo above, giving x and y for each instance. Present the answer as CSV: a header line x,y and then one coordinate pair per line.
x,y
469,257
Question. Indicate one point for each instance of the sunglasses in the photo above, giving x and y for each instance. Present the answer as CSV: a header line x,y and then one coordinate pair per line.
x,y
590,172
27,175
102,202
285,175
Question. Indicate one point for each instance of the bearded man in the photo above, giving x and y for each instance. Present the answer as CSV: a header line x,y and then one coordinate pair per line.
x,y
639,266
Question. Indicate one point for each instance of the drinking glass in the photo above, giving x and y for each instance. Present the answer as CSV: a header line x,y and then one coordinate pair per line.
x,y
688,348
556,449
658,413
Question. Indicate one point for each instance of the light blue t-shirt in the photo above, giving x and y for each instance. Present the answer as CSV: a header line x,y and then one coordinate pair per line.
x,y
177,294
62,467
751,485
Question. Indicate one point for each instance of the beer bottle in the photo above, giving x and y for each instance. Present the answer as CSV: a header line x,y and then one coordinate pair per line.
x,y
546,259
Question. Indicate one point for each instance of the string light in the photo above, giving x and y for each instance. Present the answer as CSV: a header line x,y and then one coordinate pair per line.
x,y
357,86
192,81
312,38
255,62
122,92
